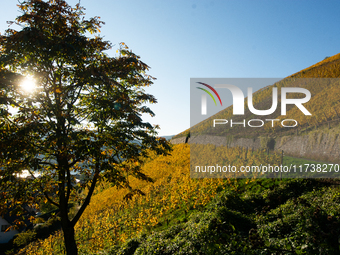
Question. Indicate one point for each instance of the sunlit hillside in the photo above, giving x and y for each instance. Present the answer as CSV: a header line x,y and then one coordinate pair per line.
x,y
324,104
178,214
181,215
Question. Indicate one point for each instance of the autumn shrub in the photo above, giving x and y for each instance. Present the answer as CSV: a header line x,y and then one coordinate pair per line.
x,y
24,238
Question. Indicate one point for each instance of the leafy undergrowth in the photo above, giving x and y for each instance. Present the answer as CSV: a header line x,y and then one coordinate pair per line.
x,y
289,216
180,215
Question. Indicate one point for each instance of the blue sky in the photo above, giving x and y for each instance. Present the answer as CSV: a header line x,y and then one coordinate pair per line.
x,y
180,40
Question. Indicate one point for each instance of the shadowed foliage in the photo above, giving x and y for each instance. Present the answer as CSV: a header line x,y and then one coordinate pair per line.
x,y
83,117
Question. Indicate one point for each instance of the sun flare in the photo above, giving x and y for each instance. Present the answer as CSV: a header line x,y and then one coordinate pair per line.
x,y
28,84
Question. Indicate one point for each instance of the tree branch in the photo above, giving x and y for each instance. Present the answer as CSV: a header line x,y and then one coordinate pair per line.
x,y
87,199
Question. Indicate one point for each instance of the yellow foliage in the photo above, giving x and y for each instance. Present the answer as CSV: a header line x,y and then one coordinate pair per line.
x,y
109,219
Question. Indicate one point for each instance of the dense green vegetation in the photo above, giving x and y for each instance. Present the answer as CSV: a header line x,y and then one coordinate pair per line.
x,y
289,216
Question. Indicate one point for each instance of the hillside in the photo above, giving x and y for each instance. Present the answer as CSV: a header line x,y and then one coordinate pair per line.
x,y
181,215
324,104
177,214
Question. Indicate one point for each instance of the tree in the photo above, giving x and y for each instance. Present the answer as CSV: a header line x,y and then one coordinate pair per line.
x,y
83,117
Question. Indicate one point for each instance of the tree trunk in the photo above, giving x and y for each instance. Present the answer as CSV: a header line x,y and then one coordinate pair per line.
x,y
70,241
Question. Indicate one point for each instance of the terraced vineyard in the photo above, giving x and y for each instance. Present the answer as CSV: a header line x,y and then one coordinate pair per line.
x,y
324,105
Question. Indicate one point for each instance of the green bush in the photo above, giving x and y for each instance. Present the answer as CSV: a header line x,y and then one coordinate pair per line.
x,y
289,216
24,238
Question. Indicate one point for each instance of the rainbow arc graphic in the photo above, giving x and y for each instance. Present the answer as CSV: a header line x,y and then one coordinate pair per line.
x,y
204,98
